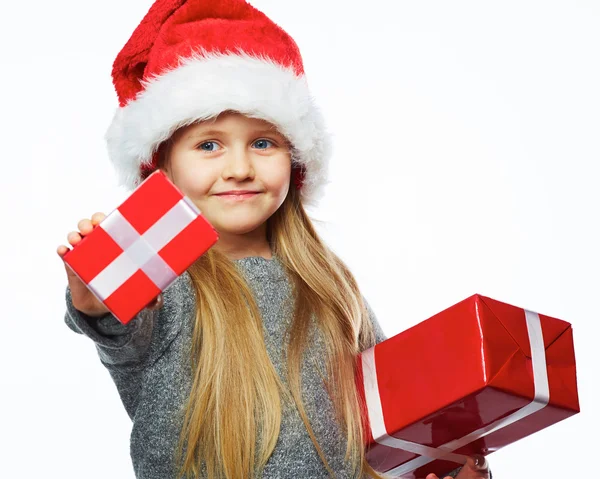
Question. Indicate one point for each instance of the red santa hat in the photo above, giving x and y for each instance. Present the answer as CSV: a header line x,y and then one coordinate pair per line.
x,y
190,60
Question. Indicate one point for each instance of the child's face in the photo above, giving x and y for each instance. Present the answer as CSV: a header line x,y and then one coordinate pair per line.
x,y
233,152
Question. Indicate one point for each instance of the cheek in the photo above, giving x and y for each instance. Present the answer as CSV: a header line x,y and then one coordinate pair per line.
x,y
194,180
277,178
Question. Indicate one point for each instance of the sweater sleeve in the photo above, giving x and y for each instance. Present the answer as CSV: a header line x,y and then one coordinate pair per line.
x,y
128,350
379,334
117,344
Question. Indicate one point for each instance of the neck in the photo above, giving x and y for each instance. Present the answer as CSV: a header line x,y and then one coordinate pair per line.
x,y
236,246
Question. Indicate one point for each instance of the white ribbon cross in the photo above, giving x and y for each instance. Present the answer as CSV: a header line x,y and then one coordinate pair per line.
x,y
140,251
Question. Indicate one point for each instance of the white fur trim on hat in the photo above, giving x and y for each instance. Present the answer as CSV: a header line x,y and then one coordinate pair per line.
x,y
205,85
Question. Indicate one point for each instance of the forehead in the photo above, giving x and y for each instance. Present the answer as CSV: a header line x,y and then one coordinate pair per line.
x,y
229,122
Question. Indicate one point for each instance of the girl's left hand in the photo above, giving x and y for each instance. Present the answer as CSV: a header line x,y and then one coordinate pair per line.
x,y
476,468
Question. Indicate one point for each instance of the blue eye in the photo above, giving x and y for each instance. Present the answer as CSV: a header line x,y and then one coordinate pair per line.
x,y
259,144
263,143
202,146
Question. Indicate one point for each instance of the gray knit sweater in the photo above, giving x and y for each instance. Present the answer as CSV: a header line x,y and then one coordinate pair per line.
x,y
148,359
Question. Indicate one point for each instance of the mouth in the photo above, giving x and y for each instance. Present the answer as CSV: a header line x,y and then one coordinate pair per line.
x,y
237,197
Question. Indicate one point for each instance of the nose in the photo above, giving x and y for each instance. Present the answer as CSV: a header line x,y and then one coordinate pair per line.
x,y
238,164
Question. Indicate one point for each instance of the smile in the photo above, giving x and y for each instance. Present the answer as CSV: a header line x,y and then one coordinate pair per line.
x,y
235,198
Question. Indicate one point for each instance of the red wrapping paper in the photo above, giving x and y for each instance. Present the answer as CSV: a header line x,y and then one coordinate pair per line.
x,y
464,381
141,247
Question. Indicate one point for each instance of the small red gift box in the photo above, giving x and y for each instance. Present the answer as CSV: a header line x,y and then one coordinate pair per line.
x,y
477,376
140,248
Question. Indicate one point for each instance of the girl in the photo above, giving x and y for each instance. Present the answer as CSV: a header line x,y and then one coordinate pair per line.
x,y
245,366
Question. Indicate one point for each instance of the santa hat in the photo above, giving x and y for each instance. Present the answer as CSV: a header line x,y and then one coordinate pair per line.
x,y
190,60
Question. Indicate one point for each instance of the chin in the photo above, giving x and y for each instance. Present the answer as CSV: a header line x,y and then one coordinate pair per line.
x,y
238,227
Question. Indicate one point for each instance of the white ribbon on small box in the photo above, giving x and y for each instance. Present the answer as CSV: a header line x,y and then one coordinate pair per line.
x,y
446,451
141,251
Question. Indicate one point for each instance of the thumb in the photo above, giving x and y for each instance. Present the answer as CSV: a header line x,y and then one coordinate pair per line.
x,y
478,463
70,273
156,303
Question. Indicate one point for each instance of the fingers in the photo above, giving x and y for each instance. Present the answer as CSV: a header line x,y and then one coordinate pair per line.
x,y
73,238
479,466
477,462
156,303
97,218
476,466
86,226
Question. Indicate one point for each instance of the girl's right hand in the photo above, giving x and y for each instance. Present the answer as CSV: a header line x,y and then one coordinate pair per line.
x,y
83,299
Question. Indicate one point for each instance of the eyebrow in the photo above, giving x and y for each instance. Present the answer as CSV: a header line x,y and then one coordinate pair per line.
x,y
213,132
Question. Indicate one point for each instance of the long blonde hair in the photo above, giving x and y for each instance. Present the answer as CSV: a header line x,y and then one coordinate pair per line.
x,y
233,414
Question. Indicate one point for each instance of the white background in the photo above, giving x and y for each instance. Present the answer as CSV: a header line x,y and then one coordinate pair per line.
x,y
466,161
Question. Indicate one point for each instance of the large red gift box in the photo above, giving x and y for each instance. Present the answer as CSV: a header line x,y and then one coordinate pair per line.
x,y
140,248
471,379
